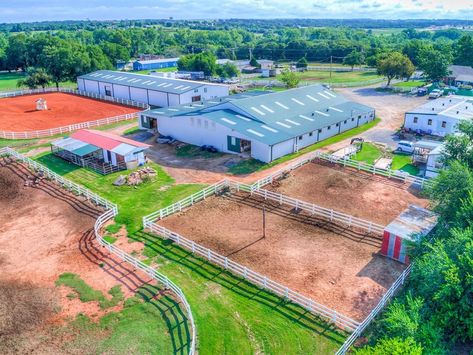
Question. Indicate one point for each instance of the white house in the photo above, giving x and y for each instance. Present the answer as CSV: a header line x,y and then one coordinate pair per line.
x,y
439,117
152,90
264,125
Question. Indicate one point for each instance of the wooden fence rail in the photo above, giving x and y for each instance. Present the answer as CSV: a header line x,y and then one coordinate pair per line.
x,y
73,127
109,214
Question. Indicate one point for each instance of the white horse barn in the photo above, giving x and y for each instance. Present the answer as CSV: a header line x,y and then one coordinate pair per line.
x,y
264,125
152,90
441,116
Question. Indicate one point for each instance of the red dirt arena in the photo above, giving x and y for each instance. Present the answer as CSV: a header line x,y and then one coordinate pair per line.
x,y
18,114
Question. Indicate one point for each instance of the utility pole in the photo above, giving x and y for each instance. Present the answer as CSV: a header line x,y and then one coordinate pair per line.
x,y
251,53
331,61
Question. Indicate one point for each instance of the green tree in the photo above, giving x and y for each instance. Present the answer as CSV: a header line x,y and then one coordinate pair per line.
x,y
204,61
395,65
16,52
227,70
434,63
290,79
302,63
254,63
464,51
392,346
35,77
459,147
354,58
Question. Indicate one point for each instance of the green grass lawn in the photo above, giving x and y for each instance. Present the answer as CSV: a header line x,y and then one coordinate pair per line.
x,y
410,84
9,82
368,154
404,162
249,166
235,317
133,202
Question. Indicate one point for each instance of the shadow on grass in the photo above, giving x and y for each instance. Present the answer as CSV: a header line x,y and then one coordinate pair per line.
x,y
155,246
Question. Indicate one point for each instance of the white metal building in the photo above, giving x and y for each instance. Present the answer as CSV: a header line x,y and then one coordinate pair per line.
x,y
155,91
264,125
441,116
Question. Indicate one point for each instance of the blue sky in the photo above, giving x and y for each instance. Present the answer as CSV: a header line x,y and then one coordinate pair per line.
x,y
38,10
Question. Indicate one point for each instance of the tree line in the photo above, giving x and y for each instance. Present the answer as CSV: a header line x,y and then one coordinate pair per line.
x,y
64,54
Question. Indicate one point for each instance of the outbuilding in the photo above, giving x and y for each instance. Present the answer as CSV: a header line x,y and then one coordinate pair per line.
x,y
152,90
155,64
439,117
260,124
100,151
412,224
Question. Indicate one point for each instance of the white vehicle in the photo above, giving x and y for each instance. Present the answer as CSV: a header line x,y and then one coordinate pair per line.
x,y
435,94
405,147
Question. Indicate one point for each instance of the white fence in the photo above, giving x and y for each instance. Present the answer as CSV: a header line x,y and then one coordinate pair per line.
x,y
318,309
386,298
111,212
73,127
358,165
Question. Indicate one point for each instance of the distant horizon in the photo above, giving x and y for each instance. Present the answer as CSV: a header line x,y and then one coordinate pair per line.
x,y
116,10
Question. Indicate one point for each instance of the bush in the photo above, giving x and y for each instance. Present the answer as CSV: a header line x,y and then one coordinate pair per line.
x,y
393,346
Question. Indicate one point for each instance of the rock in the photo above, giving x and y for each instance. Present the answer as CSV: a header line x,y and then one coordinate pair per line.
x,y
121,180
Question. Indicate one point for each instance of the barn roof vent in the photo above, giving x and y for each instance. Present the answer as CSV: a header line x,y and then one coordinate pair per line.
x,y
313,113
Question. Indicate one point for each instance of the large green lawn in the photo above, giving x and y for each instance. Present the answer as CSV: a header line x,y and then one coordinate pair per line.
x,y
9,82
133,202
368,154
235,317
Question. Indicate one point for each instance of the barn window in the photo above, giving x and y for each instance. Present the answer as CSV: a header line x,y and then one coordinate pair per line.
x,y
416,119
338,124
108,91
311,134
320,131
300,138
444,124
359,116
352,119
205,89
429,122
345,122
233,142
328,128
196,90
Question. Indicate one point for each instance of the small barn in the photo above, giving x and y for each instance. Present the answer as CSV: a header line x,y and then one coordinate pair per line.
x,y
155,64
100,151
412,224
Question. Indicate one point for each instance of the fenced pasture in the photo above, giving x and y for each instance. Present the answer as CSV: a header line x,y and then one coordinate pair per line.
x,y
117,264
68,110
317,258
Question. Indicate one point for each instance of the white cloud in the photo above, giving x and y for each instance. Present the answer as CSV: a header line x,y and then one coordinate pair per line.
x,y
29,10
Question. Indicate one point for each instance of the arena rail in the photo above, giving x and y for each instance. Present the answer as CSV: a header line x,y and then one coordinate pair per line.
x,y
389,173
73,127
379,307
318,309
109,214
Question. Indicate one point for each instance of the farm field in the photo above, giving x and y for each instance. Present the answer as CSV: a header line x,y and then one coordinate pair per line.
x,y
360,194
59,291
300,251
19,113
345,77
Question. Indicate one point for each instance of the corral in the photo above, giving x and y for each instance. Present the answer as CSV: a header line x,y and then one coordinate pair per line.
x,y
336,266
46,232
19,113
358,193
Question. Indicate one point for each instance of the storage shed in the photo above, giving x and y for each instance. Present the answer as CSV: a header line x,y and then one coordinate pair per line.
x,y
409,226
155,64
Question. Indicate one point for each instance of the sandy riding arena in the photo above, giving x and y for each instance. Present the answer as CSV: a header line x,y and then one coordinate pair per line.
x,y
334,266
363,195
45,232
18,114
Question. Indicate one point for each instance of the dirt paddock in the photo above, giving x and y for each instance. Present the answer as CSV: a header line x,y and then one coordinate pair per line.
x,y
371,197
44,232
19,113
334,266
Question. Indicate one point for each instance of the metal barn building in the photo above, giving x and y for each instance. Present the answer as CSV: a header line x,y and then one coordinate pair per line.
x,y
152,90
155,64
263,125
439,117
409,226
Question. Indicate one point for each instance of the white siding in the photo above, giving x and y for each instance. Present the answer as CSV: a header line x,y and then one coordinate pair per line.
x,y
174,100
158,98
307,139
91,86
260,151
121,91
283,148
435,128
350,123
80,84
138,95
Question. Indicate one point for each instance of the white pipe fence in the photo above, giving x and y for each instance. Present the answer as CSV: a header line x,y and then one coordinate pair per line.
x,y
379,307
318,309
73,127
110,213
358,165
